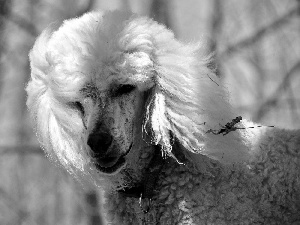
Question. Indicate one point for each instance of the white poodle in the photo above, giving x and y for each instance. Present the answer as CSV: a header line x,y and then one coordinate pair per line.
x,y
121,104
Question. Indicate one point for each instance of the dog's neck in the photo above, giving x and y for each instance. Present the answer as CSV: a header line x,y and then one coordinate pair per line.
x,y
145,189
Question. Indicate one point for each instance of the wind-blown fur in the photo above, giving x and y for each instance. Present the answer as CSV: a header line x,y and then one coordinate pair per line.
x,y
76,71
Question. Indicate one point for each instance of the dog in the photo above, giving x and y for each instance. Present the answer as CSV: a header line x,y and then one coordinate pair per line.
x,y
122,105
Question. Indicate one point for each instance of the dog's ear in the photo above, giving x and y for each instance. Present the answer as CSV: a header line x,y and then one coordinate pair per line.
x,y
163,121
187,100
57,125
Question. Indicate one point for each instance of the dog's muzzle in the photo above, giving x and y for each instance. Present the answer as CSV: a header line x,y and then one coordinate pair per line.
x,y
107,158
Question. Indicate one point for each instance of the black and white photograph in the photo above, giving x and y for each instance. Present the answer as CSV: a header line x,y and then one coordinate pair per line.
x,y
149,112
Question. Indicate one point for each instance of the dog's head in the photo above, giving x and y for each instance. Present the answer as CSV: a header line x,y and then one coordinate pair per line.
x,y
105,88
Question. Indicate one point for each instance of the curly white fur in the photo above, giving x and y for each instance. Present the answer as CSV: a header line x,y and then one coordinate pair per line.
x,y
176,95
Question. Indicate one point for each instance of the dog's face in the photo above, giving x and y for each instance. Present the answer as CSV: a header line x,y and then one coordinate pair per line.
x,y
109,119
112,109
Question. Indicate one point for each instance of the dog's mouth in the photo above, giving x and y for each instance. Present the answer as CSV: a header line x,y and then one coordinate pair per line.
x,y
111,164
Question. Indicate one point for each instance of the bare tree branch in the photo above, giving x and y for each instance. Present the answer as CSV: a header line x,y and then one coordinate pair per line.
x,y
293,104
216,22
30,28
273,100
160,12
215,31
22,23
5,9
260,33
92,207
88,7
18,149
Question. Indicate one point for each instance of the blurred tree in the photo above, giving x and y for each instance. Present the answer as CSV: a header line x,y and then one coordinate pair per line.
x,y
160,12
92,202
4,12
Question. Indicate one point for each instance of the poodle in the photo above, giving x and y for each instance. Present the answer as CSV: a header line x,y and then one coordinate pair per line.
x,y
122,105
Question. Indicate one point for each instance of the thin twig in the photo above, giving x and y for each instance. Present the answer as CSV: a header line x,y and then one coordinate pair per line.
x,y
212,80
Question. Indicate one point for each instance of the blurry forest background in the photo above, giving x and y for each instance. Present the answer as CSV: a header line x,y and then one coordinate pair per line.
x,y
257,45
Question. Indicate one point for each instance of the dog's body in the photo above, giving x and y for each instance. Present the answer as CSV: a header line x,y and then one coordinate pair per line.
x,y
264,192
123,105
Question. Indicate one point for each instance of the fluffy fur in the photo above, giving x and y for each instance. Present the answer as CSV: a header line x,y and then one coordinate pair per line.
x,y
126,79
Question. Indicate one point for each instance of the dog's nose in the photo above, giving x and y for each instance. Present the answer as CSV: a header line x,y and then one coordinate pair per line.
x,y
99,142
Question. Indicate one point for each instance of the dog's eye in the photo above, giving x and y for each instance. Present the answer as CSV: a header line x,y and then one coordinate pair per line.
x,y
79,106
123,89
